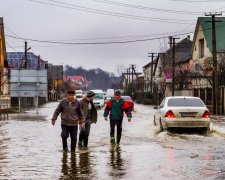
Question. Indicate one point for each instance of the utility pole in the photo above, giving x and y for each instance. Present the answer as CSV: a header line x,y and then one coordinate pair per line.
x,y
173,62
38,67
152,55
132,75
25,56
132,67
128,75
215,73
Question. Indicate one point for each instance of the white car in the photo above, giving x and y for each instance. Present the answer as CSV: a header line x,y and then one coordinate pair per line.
x,y
79,96
79,91
99,100
182,112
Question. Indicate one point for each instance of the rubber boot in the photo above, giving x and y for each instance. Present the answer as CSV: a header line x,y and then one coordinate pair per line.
x,y
81,139
85,140
73,145
118,139
112,140
64,143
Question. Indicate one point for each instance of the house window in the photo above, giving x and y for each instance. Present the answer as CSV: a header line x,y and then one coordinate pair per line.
x,y
195,92
201,48
202,94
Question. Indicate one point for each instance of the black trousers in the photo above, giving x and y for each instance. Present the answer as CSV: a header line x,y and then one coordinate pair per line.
x,y
118,124
84,133
69,131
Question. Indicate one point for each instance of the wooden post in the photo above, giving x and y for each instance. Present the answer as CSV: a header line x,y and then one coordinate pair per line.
x,y
19,105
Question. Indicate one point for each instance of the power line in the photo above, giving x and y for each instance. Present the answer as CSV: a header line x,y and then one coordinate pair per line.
x,y
148,8
15,44
108,42
11,46
126,37
97,11
94,43
141,7
113,12
199,1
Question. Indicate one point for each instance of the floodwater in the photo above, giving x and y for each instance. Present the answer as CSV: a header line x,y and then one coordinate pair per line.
x,y
30,148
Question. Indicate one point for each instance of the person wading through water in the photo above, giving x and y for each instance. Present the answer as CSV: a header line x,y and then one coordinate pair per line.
x,y
90,114
116,107
71,116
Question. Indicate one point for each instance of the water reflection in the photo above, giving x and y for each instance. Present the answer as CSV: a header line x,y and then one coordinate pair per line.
x,y
117,163
76,166
3,148
84,163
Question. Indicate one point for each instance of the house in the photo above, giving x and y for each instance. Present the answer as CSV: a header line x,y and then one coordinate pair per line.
x,y
5,99
55,82
202,57
148,69
4,71
79,81
162,70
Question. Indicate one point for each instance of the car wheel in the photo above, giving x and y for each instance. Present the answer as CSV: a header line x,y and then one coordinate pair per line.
x,y
206,131
160,126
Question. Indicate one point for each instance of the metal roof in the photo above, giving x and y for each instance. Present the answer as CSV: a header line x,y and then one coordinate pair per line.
x,y
207,31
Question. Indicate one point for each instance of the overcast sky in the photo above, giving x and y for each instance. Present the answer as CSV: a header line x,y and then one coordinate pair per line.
x,y
88,21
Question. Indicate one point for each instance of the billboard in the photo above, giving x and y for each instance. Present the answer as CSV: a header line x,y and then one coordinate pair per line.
x,y
28,83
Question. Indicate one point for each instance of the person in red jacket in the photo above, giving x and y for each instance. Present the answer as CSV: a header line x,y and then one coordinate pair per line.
x,y
115,108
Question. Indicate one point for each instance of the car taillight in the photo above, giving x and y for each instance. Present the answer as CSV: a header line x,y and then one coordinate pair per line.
x,y
206,114
170,114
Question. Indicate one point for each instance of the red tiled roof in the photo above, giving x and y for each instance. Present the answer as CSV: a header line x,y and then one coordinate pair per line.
x,y
77,78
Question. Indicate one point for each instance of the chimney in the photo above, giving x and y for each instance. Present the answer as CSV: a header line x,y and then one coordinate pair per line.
x,y
171,41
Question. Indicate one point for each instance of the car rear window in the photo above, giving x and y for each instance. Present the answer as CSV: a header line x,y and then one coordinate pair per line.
x,y
185,102
99,96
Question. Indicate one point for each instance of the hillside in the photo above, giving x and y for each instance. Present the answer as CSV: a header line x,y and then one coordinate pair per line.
x,y
99,78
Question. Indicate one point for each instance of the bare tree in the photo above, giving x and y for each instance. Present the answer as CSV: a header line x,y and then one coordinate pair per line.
x,y
120,69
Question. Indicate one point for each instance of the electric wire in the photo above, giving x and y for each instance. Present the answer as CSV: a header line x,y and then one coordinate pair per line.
x,y
96,43
91,10
106,42
148,8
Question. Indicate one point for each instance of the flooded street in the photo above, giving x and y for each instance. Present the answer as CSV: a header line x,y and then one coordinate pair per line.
x,y
30,148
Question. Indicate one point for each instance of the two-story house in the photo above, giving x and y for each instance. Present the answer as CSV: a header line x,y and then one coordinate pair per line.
x,y
202,50
183,68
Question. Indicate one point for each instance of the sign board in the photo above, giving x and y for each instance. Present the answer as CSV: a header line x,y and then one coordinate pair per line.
x,y
28,83
57,84
169,77
168,80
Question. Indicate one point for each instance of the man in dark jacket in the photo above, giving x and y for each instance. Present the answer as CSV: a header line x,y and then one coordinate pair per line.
x,y
116,107
90,114
71,116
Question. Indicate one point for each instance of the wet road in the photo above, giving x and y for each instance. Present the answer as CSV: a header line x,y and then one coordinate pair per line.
x,y
30,148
